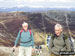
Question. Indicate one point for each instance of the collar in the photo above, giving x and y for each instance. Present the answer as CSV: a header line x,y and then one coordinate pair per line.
x,y
60,35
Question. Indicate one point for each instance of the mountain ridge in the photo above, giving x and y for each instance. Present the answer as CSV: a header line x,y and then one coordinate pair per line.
x,y
30,9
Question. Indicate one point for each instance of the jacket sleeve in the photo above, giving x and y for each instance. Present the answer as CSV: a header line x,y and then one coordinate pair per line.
x,y
50,45
68,44
32,40
17,39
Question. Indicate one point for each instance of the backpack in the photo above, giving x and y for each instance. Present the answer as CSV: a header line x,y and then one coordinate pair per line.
x,y
47,41
22,31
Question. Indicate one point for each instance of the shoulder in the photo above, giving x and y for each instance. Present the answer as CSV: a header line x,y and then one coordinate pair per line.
x,y
65,36
20,30
30,30
52,36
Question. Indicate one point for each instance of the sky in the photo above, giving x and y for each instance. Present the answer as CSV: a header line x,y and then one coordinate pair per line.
x,y
38,3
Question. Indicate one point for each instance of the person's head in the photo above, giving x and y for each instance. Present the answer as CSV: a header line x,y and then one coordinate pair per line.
x,y
58,29
25,26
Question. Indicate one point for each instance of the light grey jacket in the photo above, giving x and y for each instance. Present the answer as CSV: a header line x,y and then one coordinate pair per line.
x,y
58,44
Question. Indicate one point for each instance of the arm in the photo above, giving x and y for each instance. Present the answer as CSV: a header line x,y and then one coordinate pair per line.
x,y
17,39
50,45
32,40
68,44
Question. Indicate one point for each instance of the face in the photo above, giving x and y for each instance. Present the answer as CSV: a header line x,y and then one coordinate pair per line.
x,y
25,27
58,31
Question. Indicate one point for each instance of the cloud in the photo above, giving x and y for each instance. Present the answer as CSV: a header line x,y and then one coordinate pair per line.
x,y
31,0
62,1
46,1
29,5
21,5
37,0
37,3
8,3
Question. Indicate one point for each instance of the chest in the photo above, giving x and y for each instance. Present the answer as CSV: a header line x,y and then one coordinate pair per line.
x,y
58,41
25,34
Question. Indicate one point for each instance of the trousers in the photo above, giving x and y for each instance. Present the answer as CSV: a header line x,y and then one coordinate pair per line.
x,y
25,51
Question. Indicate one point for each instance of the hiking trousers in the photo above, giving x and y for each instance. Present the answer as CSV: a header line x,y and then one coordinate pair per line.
x,y
25,51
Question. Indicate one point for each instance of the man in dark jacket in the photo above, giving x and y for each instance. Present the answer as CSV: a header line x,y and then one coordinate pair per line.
x,y
59,42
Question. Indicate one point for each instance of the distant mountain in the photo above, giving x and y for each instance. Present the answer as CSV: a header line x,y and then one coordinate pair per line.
x,y
30,9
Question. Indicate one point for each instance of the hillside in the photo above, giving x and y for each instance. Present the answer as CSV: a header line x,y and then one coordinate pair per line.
x,y
10,25
40,23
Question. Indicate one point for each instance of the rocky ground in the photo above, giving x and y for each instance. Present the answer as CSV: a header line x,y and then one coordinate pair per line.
x,y
7,51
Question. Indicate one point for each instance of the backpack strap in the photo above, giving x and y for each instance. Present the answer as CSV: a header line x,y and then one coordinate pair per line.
x,y
30,32
21,31
64,38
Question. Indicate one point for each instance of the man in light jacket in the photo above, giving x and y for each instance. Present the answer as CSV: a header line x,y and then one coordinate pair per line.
x,y
59,42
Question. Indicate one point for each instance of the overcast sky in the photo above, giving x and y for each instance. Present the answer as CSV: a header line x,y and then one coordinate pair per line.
x,y
38,3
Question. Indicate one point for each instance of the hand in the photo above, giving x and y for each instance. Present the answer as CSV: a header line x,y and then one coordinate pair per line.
x,y
33,49
14,48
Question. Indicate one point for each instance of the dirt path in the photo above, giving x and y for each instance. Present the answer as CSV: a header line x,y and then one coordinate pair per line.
x,y
7,51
